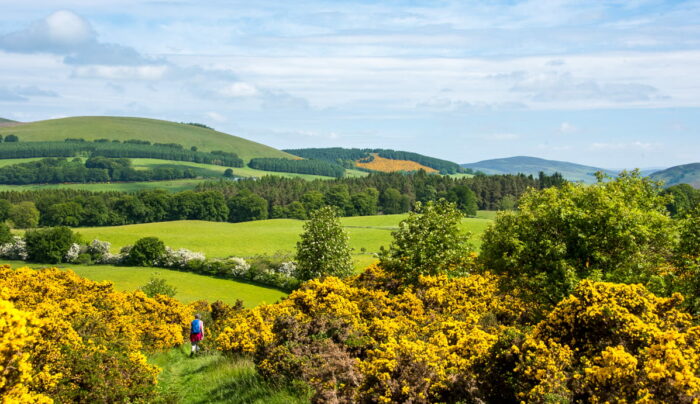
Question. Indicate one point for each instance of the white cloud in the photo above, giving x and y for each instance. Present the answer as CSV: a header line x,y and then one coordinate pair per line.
x,y
552,87
67,34
239,89
566,127
152,72
59,32
623,146
216,116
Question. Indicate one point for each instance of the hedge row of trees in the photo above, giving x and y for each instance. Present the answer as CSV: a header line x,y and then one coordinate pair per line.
x,y
144,149
345,157
95,169
315,167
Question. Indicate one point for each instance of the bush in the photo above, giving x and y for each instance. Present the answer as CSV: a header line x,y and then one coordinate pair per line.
x,y
323,249
16,249
50,245
146,252
158,286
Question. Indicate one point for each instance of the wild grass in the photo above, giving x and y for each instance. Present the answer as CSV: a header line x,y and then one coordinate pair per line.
x,y
190,287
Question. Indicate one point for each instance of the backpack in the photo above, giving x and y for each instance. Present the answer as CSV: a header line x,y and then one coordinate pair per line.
x,y
196,326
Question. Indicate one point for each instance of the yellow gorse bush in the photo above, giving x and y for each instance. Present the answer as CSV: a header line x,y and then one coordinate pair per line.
x,y
82,340
462,339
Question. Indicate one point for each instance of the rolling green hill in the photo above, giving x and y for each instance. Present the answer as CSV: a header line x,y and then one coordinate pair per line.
x,y
3,120
153,130
533,166
683,174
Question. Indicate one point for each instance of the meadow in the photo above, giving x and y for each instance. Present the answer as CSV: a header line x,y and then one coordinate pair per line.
x,y
190,287
264,237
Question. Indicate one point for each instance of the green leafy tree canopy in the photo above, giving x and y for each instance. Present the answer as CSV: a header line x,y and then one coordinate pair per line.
x,y
323,249
428,242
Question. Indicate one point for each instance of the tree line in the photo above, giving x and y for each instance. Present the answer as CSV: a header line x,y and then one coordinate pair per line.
x,y
269,197
347,157
116,149
95,169
315,167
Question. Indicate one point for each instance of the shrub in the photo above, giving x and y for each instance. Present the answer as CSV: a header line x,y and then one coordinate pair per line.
x,y
16,249
158,286
323,249
146,252
50,245
98,250
239,266
181,258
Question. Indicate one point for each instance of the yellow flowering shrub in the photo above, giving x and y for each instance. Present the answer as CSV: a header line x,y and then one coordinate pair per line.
x,y
18,332
352,340
89,342
612,342
464,340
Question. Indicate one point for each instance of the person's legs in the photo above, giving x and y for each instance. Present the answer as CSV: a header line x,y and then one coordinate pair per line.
x,y
194,348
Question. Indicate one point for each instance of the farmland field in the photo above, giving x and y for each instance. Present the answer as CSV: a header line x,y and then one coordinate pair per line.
x,y
220,239
190,287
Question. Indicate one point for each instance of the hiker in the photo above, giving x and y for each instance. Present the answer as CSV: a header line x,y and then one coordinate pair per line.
x,y
196,333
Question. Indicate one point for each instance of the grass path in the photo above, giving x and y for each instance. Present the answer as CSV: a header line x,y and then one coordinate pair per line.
x,y
190,287
212,378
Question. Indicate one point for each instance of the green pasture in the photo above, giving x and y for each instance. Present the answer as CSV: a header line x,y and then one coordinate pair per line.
x,y
172,186
123,128
263,237
190,287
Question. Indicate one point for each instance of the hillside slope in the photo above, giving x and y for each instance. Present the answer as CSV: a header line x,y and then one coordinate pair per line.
x,y
3,120
533,166
683,174
153,130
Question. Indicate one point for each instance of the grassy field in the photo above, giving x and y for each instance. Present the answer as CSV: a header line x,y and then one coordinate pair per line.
x,y
121,128
172,186
207,171
190,287
213,378
218,239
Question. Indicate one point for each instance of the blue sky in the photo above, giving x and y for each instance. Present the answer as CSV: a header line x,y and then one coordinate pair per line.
x,y
607,83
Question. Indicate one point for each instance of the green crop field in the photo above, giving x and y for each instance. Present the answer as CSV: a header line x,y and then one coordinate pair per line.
x,y
122,128
190,287
219,239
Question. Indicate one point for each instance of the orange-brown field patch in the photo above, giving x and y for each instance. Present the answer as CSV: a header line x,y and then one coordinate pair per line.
x,y
389,165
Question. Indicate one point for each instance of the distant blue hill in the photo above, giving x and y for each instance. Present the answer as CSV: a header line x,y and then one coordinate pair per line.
x,y
533,166
683,174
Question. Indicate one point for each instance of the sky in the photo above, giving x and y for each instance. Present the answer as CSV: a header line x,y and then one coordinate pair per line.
x,y
613,84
